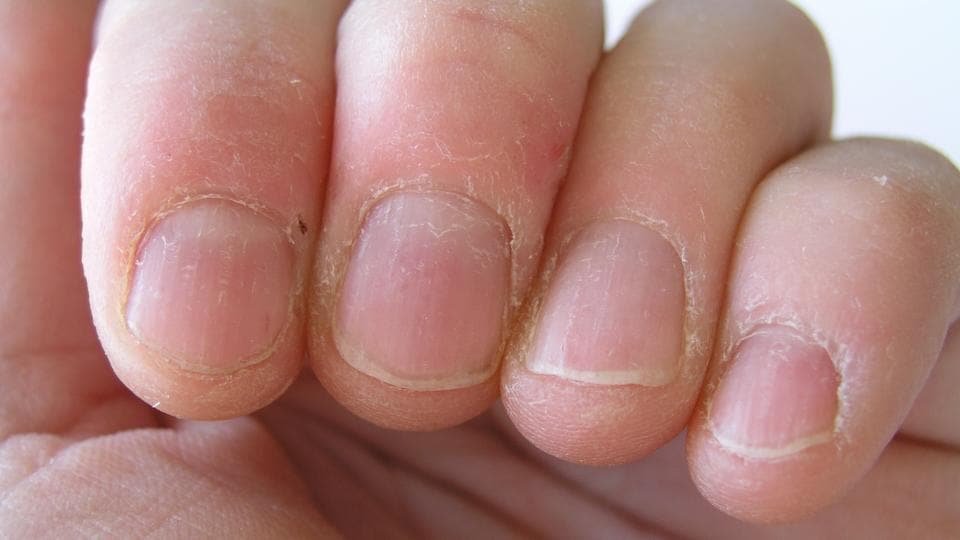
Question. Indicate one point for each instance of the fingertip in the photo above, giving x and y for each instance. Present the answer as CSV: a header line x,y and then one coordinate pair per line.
x,y
766,444
436,211
592,424
212,286
399,408
206,148
206,321
762,489
841,296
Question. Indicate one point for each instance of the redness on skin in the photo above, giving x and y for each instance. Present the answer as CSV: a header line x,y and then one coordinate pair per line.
x,y
423,302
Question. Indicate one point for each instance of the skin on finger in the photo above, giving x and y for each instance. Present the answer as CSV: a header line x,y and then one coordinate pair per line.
x,y
484,480
683,118
454,121
911,492
933,417
844,285
51,367
207,140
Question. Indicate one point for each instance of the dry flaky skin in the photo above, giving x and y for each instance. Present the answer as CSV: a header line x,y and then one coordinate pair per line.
x,y
193,123
670,154
426,252
291,232
883,343
82,456
491,119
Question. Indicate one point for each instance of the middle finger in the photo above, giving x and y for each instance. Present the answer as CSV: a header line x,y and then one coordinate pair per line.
x,y
453,121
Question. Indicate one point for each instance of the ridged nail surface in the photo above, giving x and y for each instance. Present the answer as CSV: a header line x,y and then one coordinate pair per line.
x,y
777,398
614,310
211,286
423,301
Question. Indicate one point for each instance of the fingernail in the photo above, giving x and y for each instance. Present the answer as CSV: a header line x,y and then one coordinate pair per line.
x,y
423,300
777,398
613,313
211,286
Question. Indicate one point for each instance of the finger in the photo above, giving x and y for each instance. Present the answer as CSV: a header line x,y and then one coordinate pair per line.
x,y
683,118
51,370
206,146
886,504
845,281
933,417
470,463
452,131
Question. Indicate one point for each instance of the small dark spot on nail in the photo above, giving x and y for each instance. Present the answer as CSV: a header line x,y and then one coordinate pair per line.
x,y
302,225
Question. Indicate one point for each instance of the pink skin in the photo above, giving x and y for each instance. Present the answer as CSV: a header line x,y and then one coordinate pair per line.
x,y
657,155
172,123
206,144
821,283
491,120
777,397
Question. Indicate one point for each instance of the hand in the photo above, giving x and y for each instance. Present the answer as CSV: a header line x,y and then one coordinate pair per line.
x,y
703,257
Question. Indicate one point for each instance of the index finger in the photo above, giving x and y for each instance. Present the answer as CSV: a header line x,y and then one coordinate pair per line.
x,y
207,142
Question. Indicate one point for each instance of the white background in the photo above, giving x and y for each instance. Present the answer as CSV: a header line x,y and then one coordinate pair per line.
x,y
896,65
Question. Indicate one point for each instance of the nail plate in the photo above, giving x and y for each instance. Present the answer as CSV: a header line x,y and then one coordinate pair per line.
x,y
777,397
614,310
211,286
423,300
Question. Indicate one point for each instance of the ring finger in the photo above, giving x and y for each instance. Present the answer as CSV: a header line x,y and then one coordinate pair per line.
x,y
685,116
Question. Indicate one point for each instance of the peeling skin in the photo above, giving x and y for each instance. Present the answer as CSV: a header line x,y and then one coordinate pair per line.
x,y
492,138
475,121
887,215
173,119
881,179
523,248
762,316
